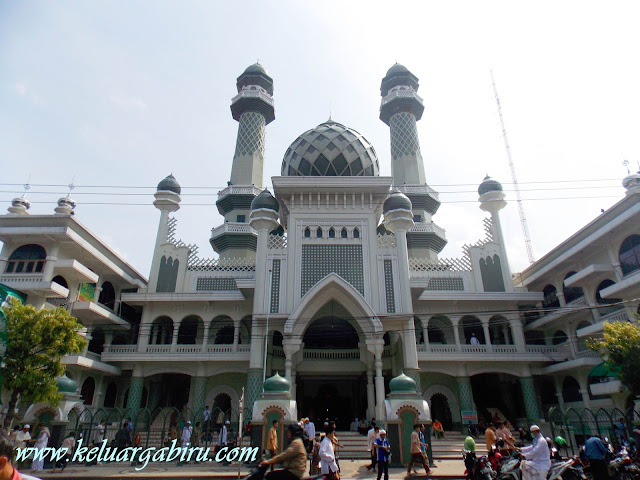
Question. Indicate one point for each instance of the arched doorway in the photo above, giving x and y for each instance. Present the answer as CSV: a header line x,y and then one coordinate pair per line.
x,y
440,410
498,391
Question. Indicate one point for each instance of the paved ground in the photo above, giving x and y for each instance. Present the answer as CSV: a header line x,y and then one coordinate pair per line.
x,y
451,469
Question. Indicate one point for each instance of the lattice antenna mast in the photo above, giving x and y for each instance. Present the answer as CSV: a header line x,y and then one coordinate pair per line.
x,y
523,218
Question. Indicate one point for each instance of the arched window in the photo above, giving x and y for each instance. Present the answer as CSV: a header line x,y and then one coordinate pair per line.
x,y
161,331
343,233
332,233
87,391
107,296
629,254
27,259
110,395
550,297
571,293
607,301
387,339
356,233
190,331
277,339
307,233
319,233
571,390
224,336
559,337
60,281
96,345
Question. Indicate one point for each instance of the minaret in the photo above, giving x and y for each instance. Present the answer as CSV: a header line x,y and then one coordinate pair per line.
x,y
400,109
253,108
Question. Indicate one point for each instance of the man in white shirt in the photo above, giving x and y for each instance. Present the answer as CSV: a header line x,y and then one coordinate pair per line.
x,y
22,438
224,432
310,428
474,340
537,460
372,436
186,438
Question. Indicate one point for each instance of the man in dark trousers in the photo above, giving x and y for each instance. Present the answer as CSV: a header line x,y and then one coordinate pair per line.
x,y
383,450
596,452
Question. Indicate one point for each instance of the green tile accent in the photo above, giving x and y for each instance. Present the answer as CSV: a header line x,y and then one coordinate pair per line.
x,y
275,287
448,284
208,284
388,286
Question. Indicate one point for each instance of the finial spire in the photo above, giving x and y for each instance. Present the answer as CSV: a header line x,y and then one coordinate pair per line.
x,y
626,164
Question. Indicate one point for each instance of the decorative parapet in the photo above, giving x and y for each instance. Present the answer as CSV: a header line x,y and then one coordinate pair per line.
x,y
387,240
277,242
443,265
221,264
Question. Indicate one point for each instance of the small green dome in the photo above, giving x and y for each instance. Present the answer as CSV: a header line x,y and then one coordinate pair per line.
x,y
489,185
169,184
265,200
397,200
402,383
277,384
397,68
256,68
66,384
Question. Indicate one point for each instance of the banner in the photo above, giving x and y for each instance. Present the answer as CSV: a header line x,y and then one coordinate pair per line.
x,y
5,294
86,292
469,416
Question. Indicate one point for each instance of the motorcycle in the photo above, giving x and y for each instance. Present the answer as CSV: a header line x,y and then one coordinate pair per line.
x,y
622,466
569,469
258,473
477,468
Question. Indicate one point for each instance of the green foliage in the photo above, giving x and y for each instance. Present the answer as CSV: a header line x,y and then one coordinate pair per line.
x,y
38,339
620,349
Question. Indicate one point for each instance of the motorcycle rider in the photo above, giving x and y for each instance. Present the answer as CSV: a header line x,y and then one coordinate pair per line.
x,y
537,462
293,459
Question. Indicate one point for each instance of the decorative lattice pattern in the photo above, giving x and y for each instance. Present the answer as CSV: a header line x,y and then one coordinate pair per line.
x,y
320,260
277,242
387,240
275,287
465,392
443,265
448,284
172,225
210,284
404,135
198,395
221,264
529,396
330,149
388,287
134,400
254,387
251,131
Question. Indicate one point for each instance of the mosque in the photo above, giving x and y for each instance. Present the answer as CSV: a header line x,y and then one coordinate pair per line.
x,y
334,280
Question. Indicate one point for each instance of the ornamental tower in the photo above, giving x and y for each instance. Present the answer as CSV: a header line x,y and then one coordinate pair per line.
x,y
400,109
253,108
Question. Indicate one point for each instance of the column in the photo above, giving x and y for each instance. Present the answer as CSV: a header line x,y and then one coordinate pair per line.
x,y
425,335
154,395
108,338
52,258
88,337
558,385
254,387
236,335
456,336
584,390
198,397
466,393
487,336
505,334
134,400
174,338
530,401
4,256
205,340
293,384
379,390
518,333
371,399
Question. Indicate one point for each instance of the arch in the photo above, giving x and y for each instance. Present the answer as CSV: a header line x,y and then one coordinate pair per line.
x,y
491,274
245,330
611,304
277,339
550,297
417,323
471,326
60,280
331,327
225,389
27,259
96,345
547,392
440,330
582,341
161,331
111,395
629,254
500,331
107,296
343,233
319,232
87,391
356,233
332,287
452,400
307,233
571,293
191,331
332,232
571,390
221,330
559,337
534,337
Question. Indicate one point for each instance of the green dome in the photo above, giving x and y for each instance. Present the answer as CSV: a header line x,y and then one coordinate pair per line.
x,y
489,185
265,200
66,384
402,383
397,68
169,184
277,384
256,68
397,200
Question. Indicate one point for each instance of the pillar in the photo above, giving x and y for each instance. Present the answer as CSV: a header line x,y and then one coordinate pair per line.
x,y
205,340
487,336
198,397
530,401
254,387
466,393
518,334
456,336
379,390
52,258
174,338
425,335
236,335
134,400
371,399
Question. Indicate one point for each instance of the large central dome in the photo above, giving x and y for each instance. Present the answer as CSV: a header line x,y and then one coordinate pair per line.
x,y
330,149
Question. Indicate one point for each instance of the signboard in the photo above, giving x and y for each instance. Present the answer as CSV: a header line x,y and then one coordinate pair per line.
x,y
86,292
469,416
5,294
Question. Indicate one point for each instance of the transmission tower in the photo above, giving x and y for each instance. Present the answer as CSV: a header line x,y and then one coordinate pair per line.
x,y
516,186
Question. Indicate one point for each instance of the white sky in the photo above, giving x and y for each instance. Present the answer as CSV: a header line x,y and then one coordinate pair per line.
x,y
124,93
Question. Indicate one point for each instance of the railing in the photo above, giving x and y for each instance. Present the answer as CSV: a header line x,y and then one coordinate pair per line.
x,y
232,227
587,354
238,190
158,348
243,348
474,348
435,348
541,349
276,242
219,348
429,228
278,352
188,348
401,94
181,349
22,278
386,241
505,349
253,94
120,349
319,354
617,316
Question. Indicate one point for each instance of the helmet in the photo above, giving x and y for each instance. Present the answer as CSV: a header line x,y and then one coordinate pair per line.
x,y
470,444
561,442
294,429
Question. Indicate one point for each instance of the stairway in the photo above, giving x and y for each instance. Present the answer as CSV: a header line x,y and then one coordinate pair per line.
x,y
355,446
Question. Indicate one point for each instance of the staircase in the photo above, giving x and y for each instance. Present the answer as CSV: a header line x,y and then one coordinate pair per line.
x,y
355,446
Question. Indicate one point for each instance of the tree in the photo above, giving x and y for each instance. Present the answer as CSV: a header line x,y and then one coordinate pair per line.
x,y
620,349
38,339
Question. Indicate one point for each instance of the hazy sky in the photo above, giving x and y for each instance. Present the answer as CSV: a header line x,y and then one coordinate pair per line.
x,y
124,93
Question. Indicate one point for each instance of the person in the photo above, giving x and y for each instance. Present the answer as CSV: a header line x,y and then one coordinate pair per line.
x,y
383,451
499,433
537,461
293,459
636,438
187,431
272,441
7,470
372,435
620,429
40,443
494,457
472,430
490,436
310,428
137,441
596,452
315,455
68,443
474,340
14,434
206,416
336,444
195,435
173,435
416,451
223,441
509,440
23,437
438,429
98,435
328,465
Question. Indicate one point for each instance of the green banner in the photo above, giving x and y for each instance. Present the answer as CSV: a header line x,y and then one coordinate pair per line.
x,y
87,292
5,294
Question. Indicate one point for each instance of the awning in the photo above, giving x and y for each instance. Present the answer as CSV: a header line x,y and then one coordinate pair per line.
x,y
604,370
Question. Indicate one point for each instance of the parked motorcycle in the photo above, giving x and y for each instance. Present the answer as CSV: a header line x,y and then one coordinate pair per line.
x,y
477,468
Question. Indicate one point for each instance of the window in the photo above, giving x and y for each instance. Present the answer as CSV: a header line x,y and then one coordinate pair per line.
x,y
616,303
332,233
241,218
307,233
417,218
571,293
27,259
550,297
356,233
319,233
629,254
343,233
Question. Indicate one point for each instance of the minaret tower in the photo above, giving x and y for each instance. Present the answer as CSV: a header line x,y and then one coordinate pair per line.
x,y
401,108
253,108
